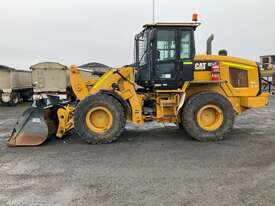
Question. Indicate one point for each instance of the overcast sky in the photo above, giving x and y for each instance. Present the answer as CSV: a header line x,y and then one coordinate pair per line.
x,y
82,31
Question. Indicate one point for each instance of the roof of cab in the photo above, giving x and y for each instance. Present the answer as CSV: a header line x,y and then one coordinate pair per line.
x,y
174,24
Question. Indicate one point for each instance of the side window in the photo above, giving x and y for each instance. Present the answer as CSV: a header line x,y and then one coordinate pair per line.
x,y
238,77
142,48
185,45
166,45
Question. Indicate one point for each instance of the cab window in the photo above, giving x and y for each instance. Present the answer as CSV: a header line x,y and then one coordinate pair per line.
x,y
166,45
142,44
185,45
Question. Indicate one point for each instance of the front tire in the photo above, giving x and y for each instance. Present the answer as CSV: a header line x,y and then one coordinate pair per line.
x,y
208,116
180,125
99,119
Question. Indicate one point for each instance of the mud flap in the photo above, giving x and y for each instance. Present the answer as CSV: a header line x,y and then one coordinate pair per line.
x,y
30,130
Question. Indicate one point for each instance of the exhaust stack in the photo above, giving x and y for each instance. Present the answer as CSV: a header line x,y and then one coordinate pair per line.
x,y
209,44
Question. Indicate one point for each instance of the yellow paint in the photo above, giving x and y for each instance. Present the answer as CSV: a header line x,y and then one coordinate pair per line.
x,y
253,79
126,90
216,58
167,102
188,63
103,79
202,76
185,86
255,102
65,120
210,117
99,119
78,85
238,66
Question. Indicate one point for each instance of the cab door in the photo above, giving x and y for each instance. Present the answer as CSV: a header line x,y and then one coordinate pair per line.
x,y
186,55
174,56
166,58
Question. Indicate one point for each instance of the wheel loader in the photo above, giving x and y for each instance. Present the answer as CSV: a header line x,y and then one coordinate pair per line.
x,y
168,82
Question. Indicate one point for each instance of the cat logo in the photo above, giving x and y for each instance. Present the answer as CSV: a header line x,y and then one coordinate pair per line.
x,y
203,66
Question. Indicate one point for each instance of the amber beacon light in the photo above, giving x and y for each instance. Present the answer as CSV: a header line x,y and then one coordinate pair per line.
x,y
195,17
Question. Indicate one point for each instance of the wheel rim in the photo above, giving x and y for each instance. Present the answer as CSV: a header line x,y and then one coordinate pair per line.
x,y
210,117
99,119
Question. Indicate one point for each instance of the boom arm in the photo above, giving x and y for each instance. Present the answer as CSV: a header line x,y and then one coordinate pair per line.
x,y
120,81
78,85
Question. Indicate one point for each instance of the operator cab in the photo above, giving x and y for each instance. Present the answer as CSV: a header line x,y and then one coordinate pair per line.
x,y
164,54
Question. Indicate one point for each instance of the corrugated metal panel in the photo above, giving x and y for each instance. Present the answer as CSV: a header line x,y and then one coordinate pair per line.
x,y
21,79
53,77
5,79
49,77
14,79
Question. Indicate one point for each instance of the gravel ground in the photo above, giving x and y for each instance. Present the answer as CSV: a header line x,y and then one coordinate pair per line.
x,y
151,165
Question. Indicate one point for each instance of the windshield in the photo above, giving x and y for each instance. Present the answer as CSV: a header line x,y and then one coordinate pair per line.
x,y
141,48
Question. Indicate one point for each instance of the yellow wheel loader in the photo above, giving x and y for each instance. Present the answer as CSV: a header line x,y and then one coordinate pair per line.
x,y
167,83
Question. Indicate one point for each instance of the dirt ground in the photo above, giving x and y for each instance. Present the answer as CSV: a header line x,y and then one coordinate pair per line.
x,y
147,166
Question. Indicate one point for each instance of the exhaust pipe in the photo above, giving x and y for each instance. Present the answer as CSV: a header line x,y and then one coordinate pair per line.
x,y
209,44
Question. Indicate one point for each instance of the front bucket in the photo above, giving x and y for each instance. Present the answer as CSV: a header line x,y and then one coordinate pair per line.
x,y
30,130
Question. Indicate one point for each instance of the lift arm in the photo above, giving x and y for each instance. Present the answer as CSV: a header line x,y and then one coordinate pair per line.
x,y
120,81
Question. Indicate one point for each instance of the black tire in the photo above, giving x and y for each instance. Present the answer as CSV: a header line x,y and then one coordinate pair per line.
x,y
180,125
198,101
116,110
15,98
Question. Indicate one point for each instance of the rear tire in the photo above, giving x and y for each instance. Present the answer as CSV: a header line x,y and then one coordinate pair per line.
x,y
208,116
99,119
